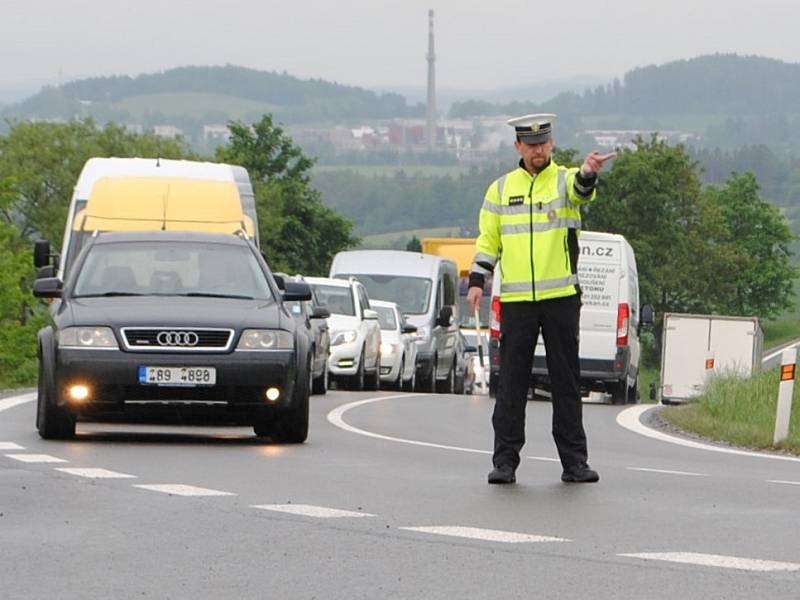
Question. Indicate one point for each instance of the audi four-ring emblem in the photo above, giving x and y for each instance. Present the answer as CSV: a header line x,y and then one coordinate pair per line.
x,y
177,338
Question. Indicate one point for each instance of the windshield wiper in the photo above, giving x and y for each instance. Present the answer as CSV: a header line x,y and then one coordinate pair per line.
x,y
106,294
209,295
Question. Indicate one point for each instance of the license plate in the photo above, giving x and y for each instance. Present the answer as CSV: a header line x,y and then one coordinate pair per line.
x,y
177,376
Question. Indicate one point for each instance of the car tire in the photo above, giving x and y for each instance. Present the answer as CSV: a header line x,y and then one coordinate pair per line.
x,y
320,385
633,393
459,386
292,424
619,392
427,383
372,381
446,386
52,422
410,384
357,380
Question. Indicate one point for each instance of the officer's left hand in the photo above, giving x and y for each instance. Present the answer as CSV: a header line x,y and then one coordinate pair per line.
x,y
594,162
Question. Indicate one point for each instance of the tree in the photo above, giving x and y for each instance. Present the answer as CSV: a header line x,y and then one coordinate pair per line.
x,y
298,233
414,245
45,159
718,250
759,235
20,315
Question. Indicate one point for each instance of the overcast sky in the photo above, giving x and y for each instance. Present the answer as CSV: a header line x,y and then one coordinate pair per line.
x,y
480,45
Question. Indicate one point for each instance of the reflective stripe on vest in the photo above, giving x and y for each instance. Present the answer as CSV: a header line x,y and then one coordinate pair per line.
x,y
540,227
548,284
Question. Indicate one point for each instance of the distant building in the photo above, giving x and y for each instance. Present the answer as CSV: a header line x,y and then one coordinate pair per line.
x,y
167,131
216,133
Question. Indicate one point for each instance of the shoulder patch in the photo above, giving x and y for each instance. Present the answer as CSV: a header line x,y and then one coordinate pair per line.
x,y
515,200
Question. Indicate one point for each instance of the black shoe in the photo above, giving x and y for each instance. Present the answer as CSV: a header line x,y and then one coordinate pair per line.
x,y
580,473
502,474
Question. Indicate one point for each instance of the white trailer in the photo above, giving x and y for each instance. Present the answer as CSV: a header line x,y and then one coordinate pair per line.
x,y
696,346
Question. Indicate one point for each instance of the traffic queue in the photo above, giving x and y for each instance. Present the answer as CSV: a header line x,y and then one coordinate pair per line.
x,y
163,307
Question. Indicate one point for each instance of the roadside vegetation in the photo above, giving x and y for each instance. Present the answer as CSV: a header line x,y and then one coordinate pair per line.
x,y
740,411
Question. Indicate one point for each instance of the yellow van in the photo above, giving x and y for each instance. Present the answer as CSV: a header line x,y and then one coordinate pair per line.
x,y
158,203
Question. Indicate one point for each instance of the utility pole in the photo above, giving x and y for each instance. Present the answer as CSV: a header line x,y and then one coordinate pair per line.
x,y
430,125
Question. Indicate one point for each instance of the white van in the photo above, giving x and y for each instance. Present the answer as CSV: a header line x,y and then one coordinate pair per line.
x,y
610,320
424,288
97,169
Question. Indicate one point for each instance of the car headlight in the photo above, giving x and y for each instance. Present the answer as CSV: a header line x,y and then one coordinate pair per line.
x,y
265,339
87,337
344,337
387,349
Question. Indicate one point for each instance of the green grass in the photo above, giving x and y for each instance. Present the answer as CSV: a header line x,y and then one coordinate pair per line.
x,y
780,330
740,411
192,104
390,170
646,377
395,238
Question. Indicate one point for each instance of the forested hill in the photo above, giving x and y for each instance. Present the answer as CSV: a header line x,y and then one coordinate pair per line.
x,y
211,94
719,84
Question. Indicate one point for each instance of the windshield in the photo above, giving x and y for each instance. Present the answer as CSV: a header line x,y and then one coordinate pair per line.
x,y
171,268
466,318
337,299
386,317
412,294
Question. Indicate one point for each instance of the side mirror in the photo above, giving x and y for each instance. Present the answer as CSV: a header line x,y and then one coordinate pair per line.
x,y
648,316
320,312
49,287
409,328
370,314
45,272
445,318
296,290
41,253
279,281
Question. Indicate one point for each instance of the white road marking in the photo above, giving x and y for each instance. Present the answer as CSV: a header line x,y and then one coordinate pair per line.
x,y
783,482
335,418
668,472
13,401
36,458
629,419
177,489
10,446
95,473
717,560
543,458
488,535
308,510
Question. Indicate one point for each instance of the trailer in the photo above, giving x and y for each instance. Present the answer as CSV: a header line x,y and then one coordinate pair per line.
x,y
695,347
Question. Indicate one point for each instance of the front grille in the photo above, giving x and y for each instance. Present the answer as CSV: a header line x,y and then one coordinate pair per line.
x,y
176,339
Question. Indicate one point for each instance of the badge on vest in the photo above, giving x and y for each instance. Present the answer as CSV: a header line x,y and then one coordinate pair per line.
x,y
551,215
516,200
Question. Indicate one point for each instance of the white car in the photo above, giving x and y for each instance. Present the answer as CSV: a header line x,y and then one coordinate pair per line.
x,y
481,367
398,347
355,358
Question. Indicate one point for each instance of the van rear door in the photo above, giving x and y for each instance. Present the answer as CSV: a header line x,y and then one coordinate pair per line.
x,y
601,276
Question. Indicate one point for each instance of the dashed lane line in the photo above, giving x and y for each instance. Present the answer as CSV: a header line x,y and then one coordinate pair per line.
x,y
10,446
91,473
36,458
667,471
629,419
782,481
308,510
487,535
178,489
717,560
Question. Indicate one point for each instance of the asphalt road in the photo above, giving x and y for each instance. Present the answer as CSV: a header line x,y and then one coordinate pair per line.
x,y
408,473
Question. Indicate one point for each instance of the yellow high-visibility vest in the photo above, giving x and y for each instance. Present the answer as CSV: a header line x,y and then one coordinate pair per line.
x,y
525,223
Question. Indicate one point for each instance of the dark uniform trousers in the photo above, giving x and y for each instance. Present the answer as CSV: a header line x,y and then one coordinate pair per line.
x,y
559,323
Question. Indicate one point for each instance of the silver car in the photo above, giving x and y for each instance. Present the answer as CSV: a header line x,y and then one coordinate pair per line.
x,y
398,347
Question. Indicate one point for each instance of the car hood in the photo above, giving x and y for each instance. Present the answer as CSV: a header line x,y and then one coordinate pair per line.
x,y
343,322
173,311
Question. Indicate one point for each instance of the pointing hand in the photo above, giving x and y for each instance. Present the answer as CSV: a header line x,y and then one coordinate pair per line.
x,y
594,162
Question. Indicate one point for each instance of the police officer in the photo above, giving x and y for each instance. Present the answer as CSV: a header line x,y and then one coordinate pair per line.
x,y
529,222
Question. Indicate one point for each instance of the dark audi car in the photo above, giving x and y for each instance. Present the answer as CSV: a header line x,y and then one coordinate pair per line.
x,y
180,326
